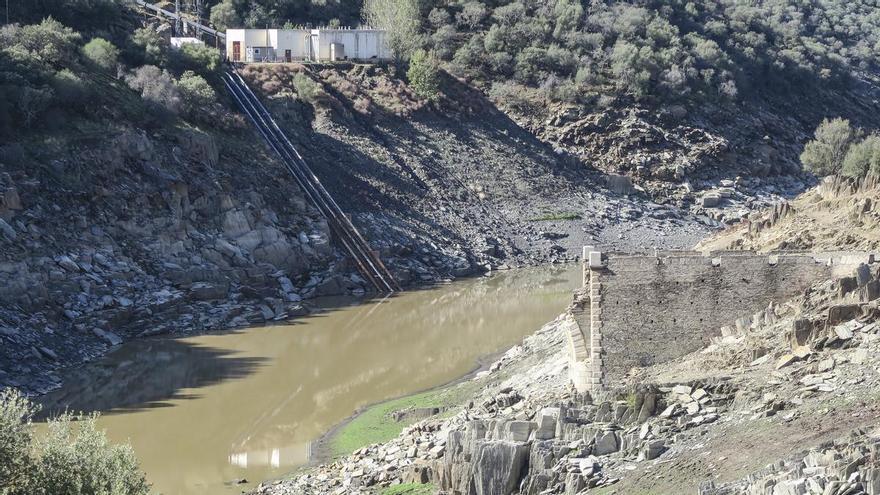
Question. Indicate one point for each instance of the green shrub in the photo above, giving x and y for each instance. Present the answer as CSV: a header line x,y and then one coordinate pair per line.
x,y
824,155
195,92
75,458
70,88
201,58
149,47
307,89
16,435
101,53
424,75
862,158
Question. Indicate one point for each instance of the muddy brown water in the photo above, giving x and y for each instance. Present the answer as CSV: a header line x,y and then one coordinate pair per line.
x,y
204,411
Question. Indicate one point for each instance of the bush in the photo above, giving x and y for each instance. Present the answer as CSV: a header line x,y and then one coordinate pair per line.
x,y
74,459
149,47
50,41
824,155
156,87
16,435
424,75
77,459
201,58
307,89
70,88
195,92
862,158
101,53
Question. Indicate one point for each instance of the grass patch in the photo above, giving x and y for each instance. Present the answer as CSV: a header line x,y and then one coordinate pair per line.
x,y
376,424
565,215
409,489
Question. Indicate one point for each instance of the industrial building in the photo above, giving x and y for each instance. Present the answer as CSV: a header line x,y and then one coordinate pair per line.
x,y
315,45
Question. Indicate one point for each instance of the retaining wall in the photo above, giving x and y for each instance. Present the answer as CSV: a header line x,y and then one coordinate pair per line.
x,y
639,310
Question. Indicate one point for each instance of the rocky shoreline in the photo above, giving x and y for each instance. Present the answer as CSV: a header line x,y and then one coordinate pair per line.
x,y
716,421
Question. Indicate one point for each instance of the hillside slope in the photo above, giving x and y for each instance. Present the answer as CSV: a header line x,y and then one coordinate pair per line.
x,y
457,175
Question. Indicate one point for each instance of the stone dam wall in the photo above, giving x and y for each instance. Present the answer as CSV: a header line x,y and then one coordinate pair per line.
x,y
640,310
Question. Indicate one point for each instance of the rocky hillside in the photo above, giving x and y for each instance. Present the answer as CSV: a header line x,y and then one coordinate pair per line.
x,y
837,214
457,174
133,220
784,402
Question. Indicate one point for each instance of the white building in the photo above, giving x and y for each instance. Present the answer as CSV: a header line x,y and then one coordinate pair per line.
x,y
178,42
316,45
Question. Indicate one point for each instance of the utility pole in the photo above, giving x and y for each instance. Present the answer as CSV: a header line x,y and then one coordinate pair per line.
x,y
7,11
178,23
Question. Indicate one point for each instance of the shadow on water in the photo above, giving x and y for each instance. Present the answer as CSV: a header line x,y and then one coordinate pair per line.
x,y
146,374
151,373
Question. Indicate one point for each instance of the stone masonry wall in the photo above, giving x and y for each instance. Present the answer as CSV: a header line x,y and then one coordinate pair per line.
x,y
639,310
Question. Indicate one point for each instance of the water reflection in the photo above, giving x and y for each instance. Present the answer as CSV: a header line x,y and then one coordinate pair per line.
x,y
248,404
147,374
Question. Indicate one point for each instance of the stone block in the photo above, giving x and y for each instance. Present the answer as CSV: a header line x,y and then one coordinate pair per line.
x,y
606,442
547,418
710,200
517,431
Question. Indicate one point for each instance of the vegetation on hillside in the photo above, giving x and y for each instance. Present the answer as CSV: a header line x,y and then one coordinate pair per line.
x,y
838,148
592,51
74,458
52,74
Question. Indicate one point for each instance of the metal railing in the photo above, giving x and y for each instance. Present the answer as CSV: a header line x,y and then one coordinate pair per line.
x,y
177,17
367,261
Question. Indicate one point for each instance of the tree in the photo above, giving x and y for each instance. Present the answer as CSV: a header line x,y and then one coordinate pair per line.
x,y
32,102
225,15
52,42
101,53
824,155
424,75
862,158
471,15
400,18
630,67
152,46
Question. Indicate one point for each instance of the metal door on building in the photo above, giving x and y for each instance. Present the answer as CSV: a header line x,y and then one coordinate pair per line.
x,y
287,56
236,51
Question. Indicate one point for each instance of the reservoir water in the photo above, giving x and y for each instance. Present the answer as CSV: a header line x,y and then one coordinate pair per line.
x,y
204,411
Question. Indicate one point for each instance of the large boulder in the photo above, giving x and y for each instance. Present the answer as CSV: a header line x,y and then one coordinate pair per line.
x,y
498,466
